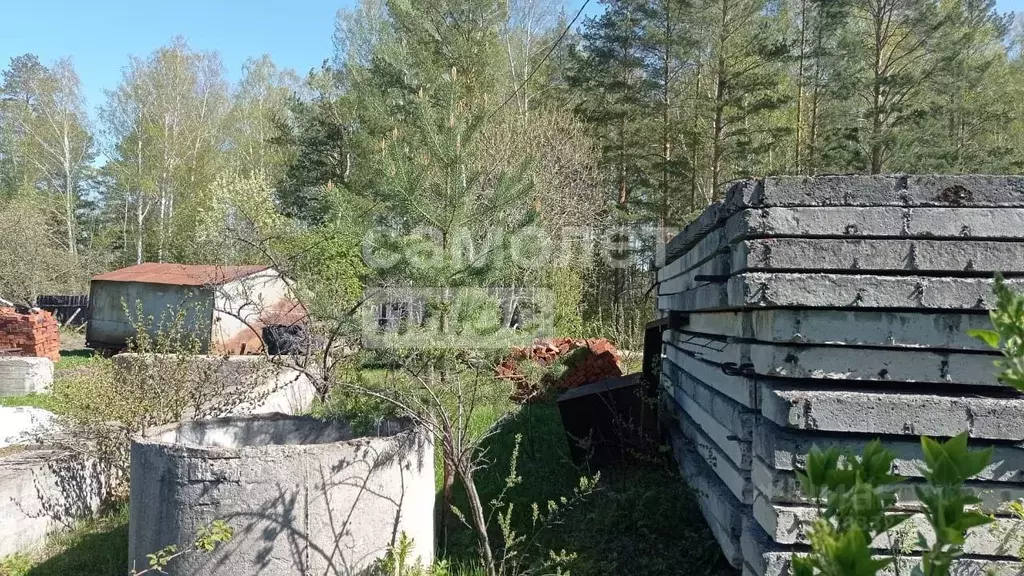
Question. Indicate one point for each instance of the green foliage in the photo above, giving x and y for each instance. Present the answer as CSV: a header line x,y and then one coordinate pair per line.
x,y
207,539
15,565
1007,334
166,379
948,465
857,492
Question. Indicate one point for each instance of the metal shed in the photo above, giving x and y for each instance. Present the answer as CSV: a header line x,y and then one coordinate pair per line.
x,y
227,306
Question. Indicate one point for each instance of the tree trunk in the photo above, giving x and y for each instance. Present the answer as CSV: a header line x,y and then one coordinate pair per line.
x,y
478,519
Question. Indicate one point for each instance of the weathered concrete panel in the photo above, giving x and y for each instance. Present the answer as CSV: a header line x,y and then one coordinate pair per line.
x,y
736,449
841,362
907,256
788,524
736,480
723,512
782,487
786,449
859,291
765,559
890,413
739,388
851,327
880,190
25,375
43,490
737,419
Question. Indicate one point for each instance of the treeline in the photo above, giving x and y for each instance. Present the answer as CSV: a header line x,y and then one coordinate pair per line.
x,y
625,124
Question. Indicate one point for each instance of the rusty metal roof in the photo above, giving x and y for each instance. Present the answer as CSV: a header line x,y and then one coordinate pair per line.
x,y
179,274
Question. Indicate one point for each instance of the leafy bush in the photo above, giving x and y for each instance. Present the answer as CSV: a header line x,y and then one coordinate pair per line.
x,y
853,494
165,380
1007,334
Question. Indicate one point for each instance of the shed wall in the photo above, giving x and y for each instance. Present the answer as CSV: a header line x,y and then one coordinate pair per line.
x,y
242,307
109,326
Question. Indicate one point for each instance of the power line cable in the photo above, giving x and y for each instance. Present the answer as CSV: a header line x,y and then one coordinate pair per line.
x,y
542,60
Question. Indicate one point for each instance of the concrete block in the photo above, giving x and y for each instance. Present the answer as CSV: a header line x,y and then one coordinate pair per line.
x,y
235,385
722,511
736,418
841,362
786,449
847,291
782,487
880,190
739,388
43,490
25,375
893,413
881,365
729,444
21,424
788,524
738,481
879,222
955,257
923,329
719,266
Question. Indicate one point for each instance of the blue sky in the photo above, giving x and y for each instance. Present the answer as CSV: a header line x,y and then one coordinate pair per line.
x,y
99,35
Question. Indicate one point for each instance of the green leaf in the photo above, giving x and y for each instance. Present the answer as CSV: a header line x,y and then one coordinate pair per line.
x,y
990,337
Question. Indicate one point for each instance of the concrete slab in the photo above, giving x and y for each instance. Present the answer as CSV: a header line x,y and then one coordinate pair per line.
x,y
827,362
736,418
892,413
715,244
765,558
739,388
719,266
862,327
955,257
788,524
21,424
863,222
711,218
25,375
736,480
43,490
880,190
729,444
720,508
782,487
879,222
845,291
870,364
786,449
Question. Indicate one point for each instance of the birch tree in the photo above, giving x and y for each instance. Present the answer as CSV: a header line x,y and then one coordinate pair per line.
x,y
165,123
46,111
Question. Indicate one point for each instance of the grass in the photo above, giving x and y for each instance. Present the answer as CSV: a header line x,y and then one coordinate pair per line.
x,y
44,401
94,547
640,521
73,363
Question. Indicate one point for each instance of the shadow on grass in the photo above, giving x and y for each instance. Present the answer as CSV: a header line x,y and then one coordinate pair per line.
x,y
641,521
96,547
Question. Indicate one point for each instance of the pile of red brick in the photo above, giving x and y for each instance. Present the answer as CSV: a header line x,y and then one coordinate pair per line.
x,y
591,360
34,333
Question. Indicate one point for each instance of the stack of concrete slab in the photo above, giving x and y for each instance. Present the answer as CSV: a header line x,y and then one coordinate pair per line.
x,y
831,311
